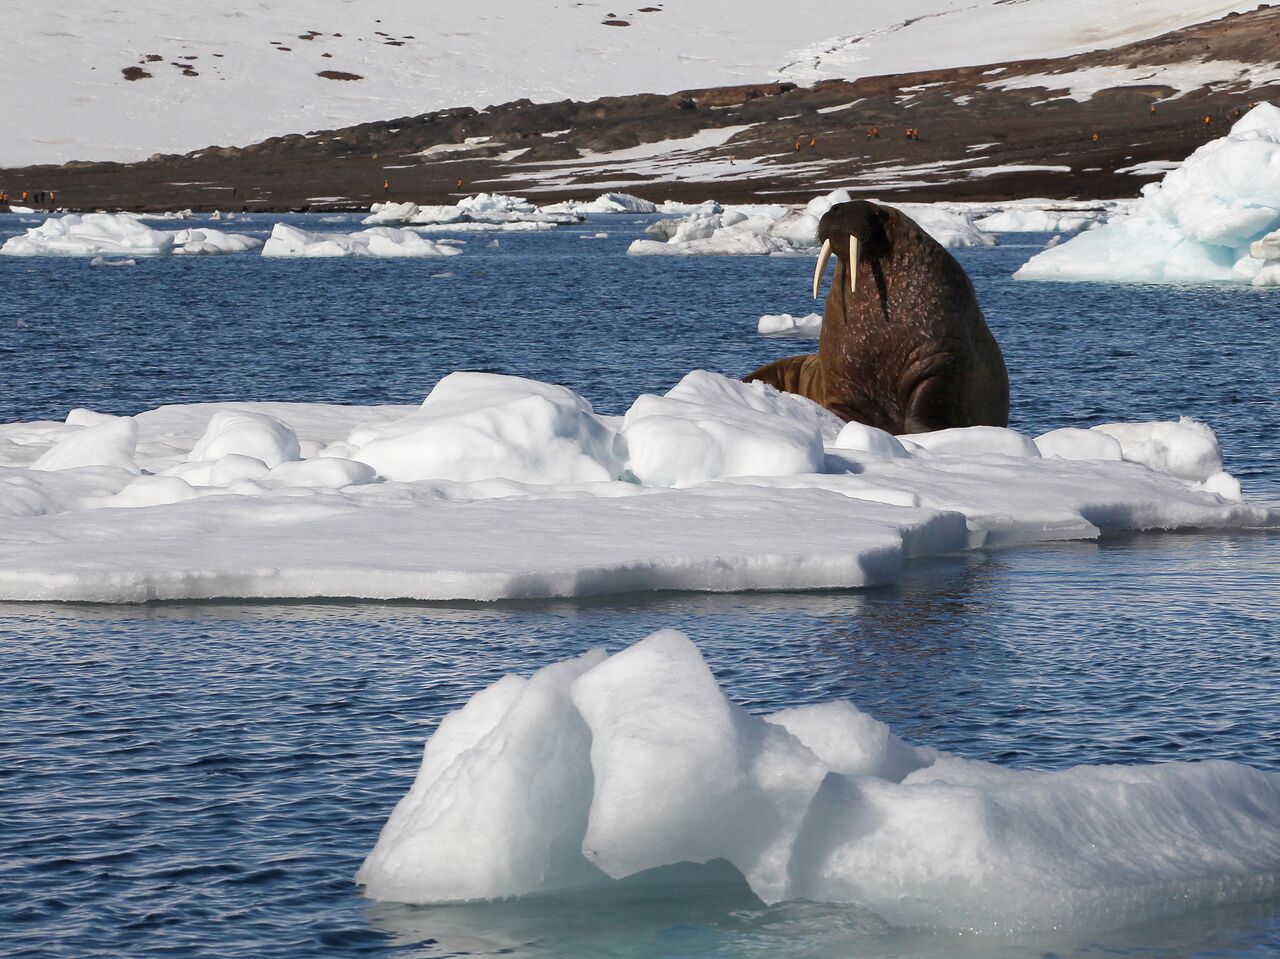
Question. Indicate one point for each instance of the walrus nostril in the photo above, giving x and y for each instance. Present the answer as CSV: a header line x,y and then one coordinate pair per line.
x,y
853,264
823,255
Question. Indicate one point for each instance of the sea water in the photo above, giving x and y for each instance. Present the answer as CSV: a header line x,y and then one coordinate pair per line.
x,y
203,780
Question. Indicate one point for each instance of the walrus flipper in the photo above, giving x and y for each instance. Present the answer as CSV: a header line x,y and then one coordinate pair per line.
x,y
792,374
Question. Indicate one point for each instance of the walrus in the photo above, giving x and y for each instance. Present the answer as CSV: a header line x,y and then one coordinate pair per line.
x,y
904,346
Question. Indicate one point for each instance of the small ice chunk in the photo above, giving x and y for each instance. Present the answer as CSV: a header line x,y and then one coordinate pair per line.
x,y
784,324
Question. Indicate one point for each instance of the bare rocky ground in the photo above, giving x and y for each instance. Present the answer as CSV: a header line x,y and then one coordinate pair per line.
x,y
985,133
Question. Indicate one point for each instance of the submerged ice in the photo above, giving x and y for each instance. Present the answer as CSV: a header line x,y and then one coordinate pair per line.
x,y
604,767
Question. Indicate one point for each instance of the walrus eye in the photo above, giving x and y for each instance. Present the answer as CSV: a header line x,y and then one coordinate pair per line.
x,y
853,264
823,255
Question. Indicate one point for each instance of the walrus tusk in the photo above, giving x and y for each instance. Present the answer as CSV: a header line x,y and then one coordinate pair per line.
x,y
853,264
823,255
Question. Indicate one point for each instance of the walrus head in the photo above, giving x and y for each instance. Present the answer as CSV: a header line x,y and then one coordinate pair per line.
x,y
846,230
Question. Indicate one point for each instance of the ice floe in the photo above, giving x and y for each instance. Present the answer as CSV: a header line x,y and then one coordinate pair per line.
x,y
604,203
104,234
500,487
1199,223
380,241
604,767
492,209
786,325
760,230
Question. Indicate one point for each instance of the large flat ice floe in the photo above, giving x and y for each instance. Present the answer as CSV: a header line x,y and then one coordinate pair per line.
x,y
499,487
99,234
1207,220
604,767
764,229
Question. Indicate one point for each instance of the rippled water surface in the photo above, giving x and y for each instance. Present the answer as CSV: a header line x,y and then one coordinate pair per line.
x,y
203,781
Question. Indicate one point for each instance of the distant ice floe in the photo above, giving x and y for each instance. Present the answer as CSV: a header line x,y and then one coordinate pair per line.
x,y
492,210
379,241
786,325
1207,220
501,487
105,234
762,229
604,767
604,203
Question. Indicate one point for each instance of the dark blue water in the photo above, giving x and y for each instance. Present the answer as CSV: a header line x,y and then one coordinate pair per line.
x,y
203,781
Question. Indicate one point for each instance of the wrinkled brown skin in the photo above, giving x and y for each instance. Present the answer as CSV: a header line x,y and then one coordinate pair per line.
x,y
909,352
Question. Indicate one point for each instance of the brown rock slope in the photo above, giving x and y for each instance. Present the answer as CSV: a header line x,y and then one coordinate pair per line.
x,y
1059,128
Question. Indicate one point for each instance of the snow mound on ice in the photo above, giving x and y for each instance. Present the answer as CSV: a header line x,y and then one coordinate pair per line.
x,y
479,426
756,230
246,434
107,443
603,767
1196,224
383,241
708,427
104,234
604,203
786,325
1187,448
976,440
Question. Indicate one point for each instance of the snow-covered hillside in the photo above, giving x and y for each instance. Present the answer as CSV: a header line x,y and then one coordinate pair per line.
x,y
233,74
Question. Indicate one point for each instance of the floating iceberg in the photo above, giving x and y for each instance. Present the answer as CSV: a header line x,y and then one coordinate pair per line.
x,y
1197,224
786,325
1014,219
105,234
604,767
760,230
499,487
604,203
487,208
382,241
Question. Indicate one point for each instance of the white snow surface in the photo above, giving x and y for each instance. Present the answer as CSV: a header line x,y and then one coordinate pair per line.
x,y
102,234
257,66
500,487
762,229
603,767
1198,224
380,241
